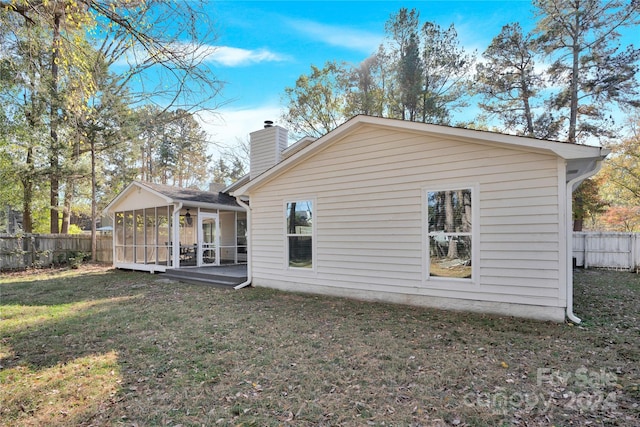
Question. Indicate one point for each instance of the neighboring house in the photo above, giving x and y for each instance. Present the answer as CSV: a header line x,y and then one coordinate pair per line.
x,y
10,220
411,213
158,227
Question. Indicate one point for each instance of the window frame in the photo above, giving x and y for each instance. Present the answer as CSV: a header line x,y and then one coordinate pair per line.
x,y
474,235
286,233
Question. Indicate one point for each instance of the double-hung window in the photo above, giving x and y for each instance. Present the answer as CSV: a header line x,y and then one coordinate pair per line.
x,y
299,232
450,233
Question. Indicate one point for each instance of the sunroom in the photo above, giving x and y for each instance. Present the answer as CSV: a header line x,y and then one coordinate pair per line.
x,y
158,227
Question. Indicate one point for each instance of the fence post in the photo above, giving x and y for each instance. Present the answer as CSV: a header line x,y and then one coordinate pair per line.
x,y
635,252
631,254
34,251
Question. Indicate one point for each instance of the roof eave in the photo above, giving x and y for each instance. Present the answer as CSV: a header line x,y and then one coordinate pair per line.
x,y
566,151
205,205
240,182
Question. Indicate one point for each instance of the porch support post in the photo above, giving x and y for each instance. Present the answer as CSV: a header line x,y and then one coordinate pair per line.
x,y
175,236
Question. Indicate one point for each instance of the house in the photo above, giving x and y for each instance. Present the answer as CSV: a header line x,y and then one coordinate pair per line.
x,y
404,212
159,227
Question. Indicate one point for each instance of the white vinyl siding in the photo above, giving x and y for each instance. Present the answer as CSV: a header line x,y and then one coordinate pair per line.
x,y
369,189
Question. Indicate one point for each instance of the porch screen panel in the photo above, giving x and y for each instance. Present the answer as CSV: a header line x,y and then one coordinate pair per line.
x,y
150,236
129,242
118,236
140,237
163,225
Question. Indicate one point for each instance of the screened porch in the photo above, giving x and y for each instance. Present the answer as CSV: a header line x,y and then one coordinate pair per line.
x,y
208,231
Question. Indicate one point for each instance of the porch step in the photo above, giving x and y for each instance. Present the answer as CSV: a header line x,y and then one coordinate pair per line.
x,y
199,277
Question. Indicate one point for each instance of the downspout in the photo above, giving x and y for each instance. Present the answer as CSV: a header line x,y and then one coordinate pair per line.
x,y
570,315
249,244
175,243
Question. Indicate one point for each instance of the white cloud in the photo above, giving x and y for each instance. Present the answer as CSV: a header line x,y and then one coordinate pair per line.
x,y
222,55
235,57
345,37
227,126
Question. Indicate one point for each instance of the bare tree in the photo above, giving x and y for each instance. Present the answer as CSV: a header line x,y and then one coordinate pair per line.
x,y
160,41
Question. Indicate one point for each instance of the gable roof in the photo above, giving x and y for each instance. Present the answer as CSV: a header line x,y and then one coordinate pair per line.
x,y
187,196
579,157
178,194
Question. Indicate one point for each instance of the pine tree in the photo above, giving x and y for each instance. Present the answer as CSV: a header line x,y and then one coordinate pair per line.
x,y
581,38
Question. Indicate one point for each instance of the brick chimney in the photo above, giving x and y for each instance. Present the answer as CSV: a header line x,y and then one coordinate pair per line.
x,y
266,147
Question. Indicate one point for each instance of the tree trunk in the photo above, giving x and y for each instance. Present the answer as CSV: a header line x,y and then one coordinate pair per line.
x,y
55,149
527,106
27,194
578,213
66,208
465,196
292,218
449,223
578,224
94,239
575,70
69,193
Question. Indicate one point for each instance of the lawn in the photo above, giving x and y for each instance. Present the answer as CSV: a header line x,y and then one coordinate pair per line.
x,y
96,346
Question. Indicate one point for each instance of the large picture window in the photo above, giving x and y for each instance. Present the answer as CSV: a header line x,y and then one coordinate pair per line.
x,y
299,223
450,233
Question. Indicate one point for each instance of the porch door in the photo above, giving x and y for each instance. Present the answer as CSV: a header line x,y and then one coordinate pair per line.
x,y
208,239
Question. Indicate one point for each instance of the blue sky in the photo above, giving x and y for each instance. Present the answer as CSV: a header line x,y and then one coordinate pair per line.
x,y
264,46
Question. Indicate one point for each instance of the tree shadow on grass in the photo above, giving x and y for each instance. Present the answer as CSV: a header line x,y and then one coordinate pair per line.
x,y
67,287
140,350
72,348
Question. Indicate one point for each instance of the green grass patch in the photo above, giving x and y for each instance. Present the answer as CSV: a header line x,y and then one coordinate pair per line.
x,y
96,346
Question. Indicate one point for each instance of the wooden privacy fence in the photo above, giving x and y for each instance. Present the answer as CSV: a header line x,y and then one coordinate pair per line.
x,y
620,251
41,250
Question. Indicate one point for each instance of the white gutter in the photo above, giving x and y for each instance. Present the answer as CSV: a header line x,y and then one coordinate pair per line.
x,y
249,245
570,315
213,206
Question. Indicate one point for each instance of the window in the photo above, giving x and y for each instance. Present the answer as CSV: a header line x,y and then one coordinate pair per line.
x,y
241,236
449,233
299,223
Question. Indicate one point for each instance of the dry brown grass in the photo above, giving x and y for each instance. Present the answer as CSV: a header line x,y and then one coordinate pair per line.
x,y
103,347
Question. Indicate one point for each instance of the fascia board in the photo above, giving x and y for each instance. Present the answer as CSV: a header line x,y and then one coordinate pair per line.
x,y
240,182
187,203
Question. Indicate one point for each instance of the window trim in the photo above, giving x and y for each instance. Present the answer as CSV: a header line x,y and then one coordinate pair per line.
x,y
286,234
449,282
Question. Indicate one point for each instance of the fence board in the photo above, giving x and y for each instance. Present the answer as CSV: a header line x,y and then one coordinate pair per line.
x,y
39,250
620,251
